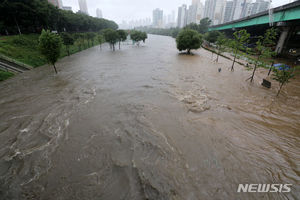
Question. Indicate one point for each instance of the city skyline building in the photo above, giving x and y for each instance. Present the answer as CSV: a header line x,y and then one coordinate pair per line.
x,y
237,9
214,10
218,11
247,7
259,6
182,16
158,18
83,7
99,13
228,11
195,12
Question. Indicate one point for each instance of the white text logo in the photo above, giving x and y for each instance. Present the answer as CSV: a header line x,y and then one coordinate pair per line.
x,y
264,188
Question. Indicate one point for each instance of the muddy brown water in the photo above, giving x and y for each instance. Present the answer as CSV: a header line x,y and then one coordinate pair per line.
x,y
146,123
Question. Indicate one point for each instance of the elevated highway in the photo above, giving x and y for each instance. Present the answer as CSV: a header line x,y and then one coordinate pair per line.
x,y
286,18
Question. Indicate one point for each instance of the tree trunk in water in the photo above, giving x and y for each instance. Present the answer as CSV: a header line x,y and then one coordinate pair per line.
x,y
252,77
255,68
279,89
119,45
55,68
217,58
113,47
254,71
232,69
68,50
189,51
271,68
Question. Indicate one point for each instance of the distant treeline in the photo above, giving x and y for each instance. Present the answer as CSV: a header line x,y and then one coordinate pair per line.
x,y
202,28
173,32
31,16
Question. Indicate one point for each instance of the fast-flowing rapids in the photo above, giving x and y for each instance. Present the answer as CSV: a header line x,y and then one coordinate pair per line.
x,y
146,123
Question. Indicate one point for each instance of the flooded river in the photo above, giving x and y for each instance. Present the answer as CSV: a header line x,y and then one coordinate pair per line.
x,y
146,123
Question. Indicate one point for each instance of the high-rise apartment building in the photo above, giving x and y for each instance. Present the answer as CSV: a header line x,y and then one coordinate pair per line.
x,y
227,15
182,16
158,18
195,12
173,17
83,7
99,13
214,10
237,9
247,7
259,6
192,14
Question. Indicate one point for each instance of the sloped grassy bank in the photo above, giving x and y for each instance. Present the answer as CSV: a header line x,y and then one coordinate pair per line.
x,y
24,49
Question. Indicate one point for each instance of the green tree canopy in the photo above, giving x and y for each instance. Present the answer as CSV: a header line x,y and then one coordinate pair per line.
x,y
67,40
122,36
188,39
264,46
138,36
212,36
202,27
91,37
31,16
282,77
50,46
239,42
221,43
111,36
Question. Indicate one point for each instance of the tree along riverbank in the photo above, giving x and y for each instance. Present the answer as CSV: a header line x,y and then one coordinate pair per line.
x,y
24,49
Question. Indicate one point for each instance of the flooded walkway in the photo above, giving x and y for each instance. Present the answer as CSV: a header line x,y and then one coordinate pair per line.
x,y
146,123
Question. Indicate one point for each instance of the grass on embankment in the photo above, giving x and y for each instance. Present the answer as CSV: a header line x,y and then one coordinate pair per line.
x,y
5,75
24,48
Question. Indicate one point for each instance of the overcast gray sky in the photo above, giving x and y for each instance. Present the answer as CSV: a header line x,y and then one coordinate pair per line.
x,y
127,10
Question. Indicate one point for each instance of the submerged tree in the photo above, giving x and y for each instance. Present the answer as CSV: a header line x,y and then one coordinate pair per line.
x,y
283,77
144,36
241,38
138,36
122,37
111,36
264,47
188,39
50,46
221,42
100,39
67,40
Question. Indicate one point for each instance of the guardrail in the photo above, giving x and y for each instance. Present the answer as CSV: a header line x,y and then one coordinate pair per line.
x,y
15,62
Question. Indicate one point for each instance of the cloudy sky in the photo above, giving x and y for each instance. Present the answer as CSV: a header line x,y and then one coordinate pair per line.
x,y
127,10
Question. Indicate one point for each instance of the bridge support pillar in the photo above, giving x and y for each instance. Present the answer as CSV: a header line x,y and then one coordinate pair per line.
x,y
282,40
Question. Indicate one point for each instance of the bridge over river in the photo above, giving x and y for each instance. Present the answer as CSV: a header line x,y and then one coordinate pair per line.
x,y
286,18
